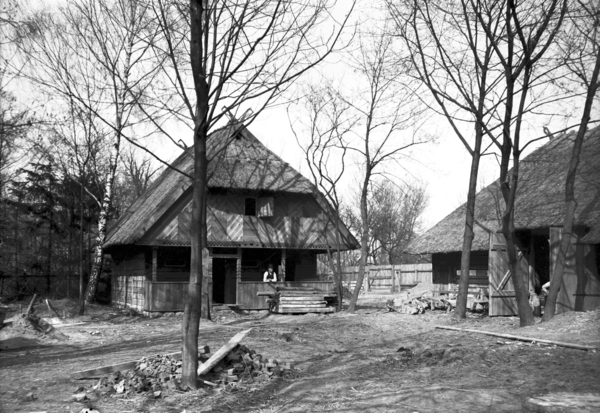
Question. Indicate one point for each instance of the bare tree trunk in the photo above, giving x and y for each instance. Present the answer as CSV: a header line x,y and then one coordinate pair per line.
x,y
81,255
103,218
570,201
49,263
193,304
469,235
364,240
192,311
205,301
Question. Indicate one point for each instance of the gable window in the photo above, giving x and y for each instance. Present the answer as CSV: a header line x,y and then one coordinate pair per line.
x,y
250,207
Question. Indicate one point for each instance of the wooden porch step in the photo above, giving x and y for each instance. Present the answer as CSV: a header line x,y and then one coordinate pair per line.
x,y
302,305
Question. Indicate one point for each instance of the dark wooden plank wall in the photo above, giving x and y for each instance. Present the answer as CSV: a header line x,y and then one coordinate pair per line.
x,y
247,290
166,296
446,269
580,289
128,278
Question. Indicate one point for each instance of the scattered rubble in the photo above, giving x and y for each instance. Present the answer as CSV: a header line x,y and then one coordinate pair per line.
x,y
426,296
157,375
243,363
151,374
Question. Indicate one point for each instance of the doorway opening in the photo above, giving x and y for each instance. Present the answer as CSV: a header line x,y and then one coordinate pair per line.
x,y
224,281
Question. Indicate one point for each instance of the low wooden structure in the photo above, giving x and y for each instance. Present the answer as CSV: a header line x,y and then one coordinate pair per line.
x,y
260,212
388,278
539,213
300,300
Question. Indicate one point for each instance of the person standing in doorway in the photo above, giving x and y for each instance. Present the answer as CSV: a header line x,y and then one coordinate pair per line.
x,y
270,275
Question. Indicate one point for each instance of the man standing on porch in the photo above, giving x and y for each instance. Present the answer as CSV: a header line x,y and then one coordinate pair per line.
x,y
270,275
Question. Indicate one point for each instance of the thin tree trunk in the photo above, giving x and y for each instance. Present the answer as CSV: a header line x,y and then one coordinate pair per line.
x,y
570,201
364,241
469,235
103,219
49,263
81,255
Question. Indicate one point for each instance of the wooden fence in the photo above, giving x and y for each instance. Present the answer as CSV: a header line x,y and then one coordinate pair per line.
x,y
389,278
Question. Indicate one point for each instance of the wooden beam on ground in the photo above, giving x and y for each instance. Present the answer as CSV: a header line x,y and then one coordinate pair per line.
x,y
30,305
563,402
103,371
520,338
222,352
52,310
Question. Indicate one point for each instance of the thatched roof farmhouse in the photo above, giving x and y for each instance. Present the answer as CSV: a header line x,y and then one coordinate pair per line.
x,y
260,212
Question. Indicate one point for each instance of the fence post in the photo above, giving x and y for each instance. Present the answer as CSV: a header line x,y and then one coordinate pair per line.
x,y
393,275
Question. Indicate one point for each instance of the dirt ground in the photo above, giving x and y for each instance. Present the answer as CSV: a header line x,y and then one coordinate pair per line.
x,y
372,361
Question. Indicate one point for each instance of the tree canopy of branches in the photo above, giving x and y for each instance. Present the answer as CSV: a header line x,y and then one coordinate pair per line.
x,y
452,58
394,212
506,79
90,54
325,155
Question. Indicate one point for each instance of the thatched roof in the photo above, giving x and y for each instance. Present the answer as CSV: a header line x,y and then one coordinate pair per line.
x,y
237,161
540,198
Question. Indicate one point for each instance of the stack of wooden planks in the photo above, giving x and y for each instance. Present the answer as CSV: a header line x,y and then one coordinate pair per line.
x,y
289,300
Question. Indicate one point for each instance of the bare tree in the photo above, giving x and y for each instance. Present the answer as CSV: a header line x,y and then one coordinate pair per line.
x,y
529,30
222,58
580,47
325,152
394,217
506,44
453,58
388,115
91,54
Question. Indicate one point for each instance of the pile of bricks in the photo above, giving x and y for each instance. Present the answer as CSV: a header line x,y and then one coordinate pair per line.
x,y
243,363
154,373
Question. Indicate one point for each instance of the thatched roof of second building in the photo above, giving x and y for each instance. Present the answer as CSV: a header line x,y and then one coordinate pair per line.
x,y
540,199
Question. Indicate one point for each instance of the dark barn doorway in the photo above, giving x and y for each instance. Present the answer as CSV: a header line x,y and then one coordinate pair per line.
x,y
224,280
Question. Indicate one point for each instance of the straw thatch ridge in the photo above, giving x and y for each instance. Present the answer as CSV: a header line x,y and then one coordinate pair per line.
x,y
540,199
237,161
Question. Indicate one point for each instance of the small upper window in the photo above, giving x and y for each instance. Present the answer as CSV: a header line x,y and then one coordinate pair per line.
x,y
250,207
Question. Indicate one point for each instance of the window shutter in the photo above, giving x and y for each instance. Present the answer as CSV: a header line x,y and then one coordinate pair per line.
x,y
265,207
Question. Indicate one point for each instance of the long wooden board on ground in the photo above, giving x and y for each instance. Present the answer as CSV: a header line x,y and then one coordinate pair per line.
x,y
103,371
207,366
563,402
303,303
282,301
304,298
520,338
305,310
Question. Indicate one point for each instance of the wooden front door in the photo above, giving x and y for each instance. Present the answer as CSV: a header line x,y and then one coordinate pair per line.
x,y
503,301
